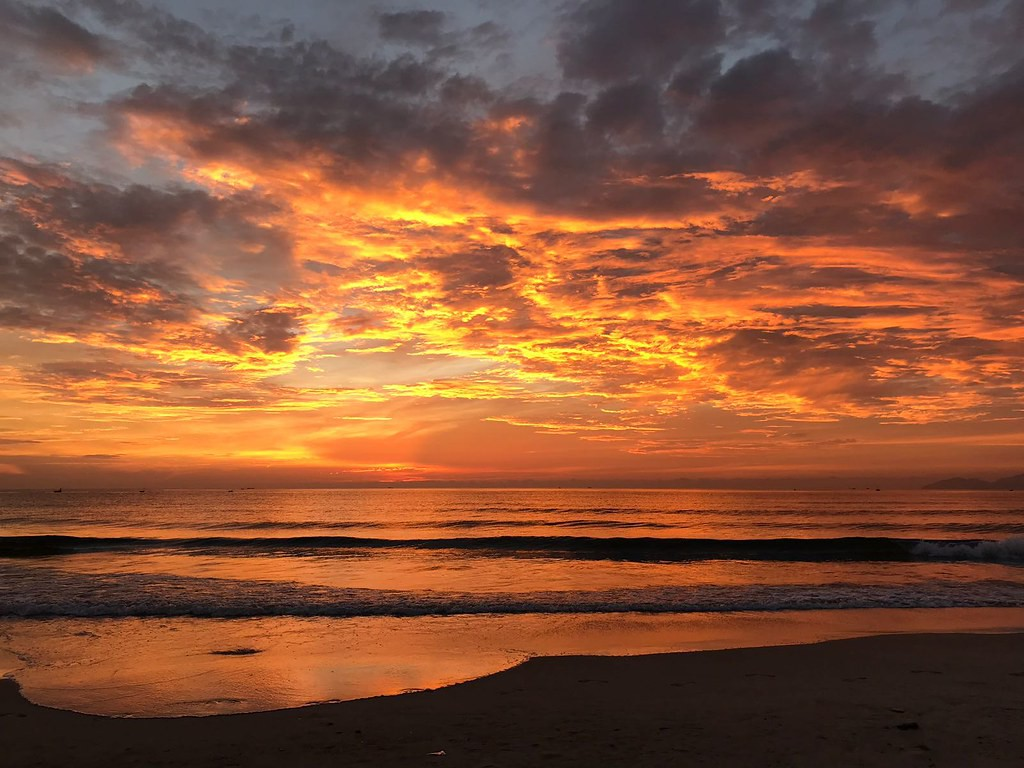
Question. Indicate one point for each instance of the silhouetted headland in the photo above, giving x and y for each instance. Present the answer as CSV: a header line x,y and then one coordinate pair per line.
x,y
975,484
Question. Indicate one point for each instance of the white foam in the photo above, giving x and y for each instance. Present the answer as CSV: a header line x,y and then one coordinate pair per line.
x,y
1006,551
45,592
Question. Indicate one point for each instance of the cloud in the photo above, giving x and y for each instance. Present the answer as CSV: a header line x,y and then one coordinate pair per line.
x,y
52,36
156,34
132,265
606,40
48,291
757,99
712,221
427,30
839,29
690,82
827,311
632,109
269,329
425,27
478,270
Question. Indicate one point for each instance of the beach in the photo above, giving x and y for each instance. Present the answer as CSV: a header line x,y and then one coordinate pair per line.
x,y
542,383
895,700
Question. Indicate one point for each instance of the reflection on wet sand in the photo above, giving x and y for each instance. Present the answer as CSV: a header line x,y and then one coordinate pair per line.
x,y
153,667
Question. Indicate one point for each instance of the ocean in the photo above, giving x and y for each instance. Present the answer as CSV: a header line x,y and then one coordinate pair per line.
x,y
174,602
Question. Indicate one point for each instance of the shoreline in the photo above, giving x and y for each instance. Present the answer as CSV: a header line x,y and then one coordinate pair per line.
x,y
154,667
899,699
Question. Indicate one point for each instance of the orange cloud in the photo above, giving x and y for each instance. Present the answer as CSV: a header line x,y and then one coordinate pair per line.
x,y
310,264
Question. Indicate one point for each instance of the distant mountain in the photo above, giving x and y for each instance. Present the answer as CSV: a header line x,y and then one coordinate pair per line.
x,y
959,484
1010,483
974,484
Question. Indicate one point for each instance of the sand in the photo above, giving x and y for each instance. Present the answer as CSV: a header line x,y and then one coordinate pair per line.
x,y
901,700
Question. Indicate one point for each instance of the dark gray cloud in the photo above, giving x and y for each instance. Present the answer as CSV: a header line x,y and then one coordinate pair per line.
x,y
131,262
108,380
631,110
155,34
322,268
46,290
48,283
691,82
828,311
427,30
146,223
419,26
840,30
758,99
363,114
834,365
608,40
52,35
476,271
656,101
871,370
268,329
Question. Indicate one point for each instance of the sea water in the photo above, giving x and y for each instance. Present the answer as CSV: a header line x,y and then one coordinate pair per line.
x,y
173,602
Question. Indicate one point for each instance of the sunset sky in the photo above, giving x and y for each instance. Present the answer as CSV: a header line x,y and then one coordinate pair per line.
x,y
321,242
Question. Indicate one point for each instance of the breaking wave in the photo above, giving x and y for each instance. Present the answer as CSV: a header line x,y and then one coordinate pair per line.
x,y
637,549
48,592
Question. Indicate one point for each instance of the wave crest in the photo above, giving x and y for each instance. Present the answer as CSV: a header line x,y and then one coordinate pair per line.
x,y
634,549
1006,551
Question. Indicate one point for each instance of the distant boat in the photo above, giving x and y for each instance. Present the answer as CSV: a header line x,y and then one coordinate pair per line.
x,y
58,490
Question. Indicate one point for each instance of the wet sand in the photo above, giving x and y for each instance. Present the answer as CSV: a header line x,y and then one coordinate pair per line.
x,y
901,700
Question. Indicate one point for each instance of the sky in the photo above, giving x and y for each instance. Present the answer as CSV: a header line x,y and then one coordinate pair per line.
x,y
584,242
